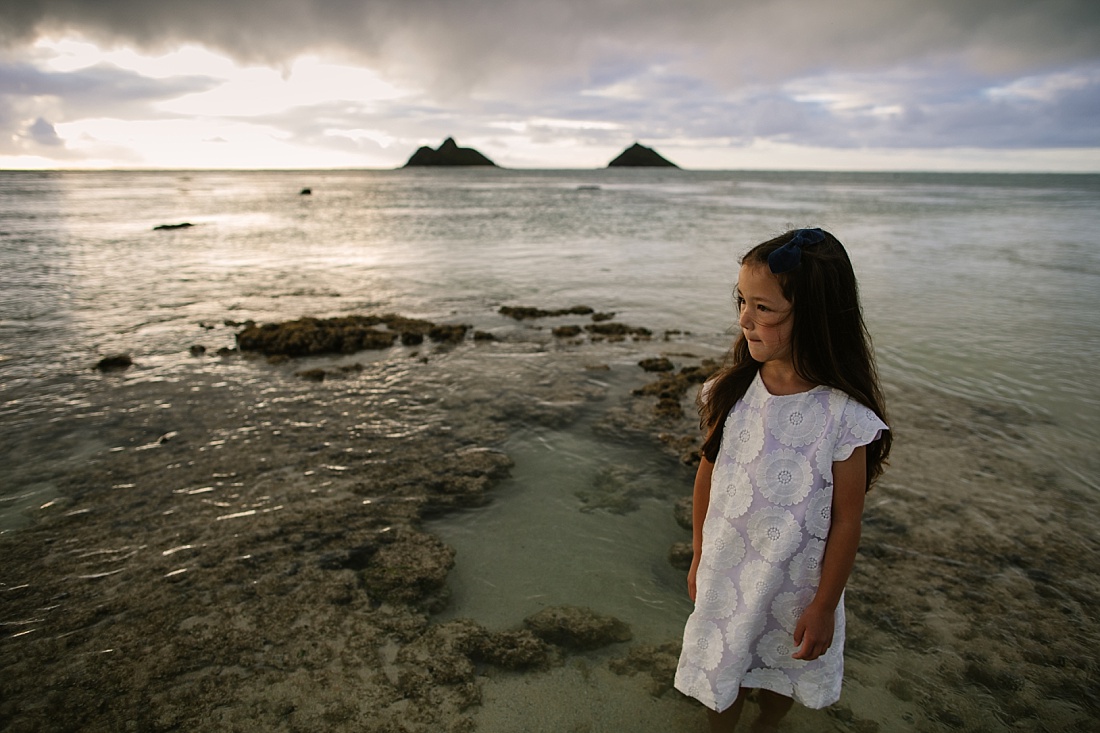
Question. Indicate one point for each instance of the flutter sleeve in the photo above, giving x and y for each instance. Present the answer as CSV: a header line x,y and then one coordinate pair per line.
x,y
859,425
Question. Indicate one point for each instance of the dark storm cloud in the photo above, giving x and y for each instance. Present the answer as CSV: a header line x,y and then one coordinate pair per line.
x,y
472,42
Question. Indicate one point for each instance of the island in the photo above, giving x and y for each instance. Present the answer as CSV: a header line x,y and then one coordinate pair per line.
x,y
447,154
639,156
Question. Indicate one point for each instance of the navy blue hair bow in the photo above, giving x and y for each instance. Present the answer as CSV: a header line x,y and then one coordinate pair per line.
x,y
787,257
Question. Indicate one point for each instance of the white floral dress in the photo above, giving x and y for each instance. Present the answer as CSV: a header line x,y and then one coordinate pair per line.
x,y
763,540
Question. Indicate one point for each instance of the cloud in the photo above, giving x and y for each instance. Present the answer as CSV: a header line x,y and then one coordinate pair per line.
x,y
29,96
98,90
941,108
42,132
474,44
837,74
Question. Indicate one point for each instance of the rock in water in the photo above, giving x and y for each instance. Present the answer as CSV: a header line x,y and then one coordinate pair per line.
x,y
447,154
344,334
522,312
574,627
680,555
656,364
639,156
115,362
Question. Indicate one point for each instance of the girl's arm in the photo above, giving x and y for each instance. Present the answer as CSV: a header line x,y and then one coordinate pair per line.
x,y
700,500
814,631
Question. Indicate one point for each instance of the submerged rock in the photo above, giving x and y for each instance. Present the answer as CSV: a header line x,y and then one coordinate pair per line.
x,y
658,662
448,334
514,650
342,335
410,568
454,480
523,312
668,408
680,555
114,363
656,364
639,156
575,627
567,331
614,489
618,331
309,336
437,658
673,387
681,512
446,655
447,154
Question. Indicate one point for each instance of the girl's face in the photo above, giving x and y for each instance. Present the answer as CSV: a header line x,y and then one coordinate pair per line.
x,y
766,317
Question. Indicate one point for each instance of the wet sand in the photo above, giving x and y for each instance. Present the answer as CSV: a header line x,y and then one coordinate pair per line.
x,y
238,548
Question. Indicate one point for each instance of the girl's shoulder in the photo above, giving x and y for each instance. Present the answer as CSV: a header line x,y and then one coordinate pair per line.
x,y
843,405
855,423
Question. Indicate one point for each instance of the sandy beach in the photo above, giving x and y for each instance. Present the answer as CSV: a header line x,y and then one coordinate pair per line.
x,y
244,549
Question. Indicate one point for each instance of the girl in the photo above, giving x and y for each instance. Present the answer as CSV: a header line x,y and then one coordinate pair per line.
x,y
796,434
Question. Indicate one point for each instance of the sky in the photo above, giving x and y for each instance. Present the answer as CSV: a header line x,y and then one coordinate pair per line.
x,y
939,85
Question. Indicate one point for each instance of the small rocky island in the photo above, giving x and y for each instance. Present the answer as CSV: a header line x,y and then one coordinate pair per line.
x,y
639,156
447,154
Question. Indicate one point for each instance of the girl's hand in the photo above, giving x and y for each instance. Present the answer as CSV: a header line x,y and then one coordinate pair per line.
x,y
813,633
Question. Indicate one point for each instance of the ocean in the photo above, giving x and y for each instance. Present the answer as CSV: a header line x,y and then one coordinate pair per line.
x,y
980,291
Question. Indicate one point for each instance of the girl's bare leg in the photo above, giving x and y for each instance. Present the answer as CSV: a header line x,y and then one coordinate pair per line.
x,y
726,721
773,707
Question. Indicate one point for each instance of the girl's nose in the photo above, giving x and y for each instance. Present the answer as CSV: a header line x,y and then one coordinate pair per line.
x,y
743,319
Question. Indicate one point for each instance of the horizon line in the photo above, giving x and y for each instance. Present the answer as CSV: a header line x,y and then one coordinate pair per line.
x,y
362,169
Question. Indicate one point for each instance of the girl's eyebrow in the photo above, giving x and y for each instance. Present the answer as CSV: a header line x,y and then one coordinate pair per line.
x,y
762,299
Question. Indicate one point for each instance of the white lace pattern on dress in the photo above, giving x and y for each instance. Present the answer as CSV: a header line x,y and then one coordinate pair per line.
x,y
763,540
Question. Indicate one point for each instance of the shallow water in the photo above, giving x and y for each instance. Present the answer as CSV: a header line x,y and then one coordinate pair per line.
x,y
583,520
980,292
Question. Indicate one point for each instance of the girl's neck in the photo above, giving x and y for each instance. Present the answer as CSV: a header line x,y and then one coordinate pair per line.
x,y
780,378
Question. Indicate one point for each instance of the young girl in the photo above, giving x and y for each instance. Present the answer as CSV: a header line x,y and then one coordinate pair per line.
x,y
796,434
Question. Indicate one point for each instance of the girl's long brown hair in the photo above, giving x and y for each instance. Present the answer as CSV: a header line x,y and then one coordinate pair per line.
x,y
829,343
